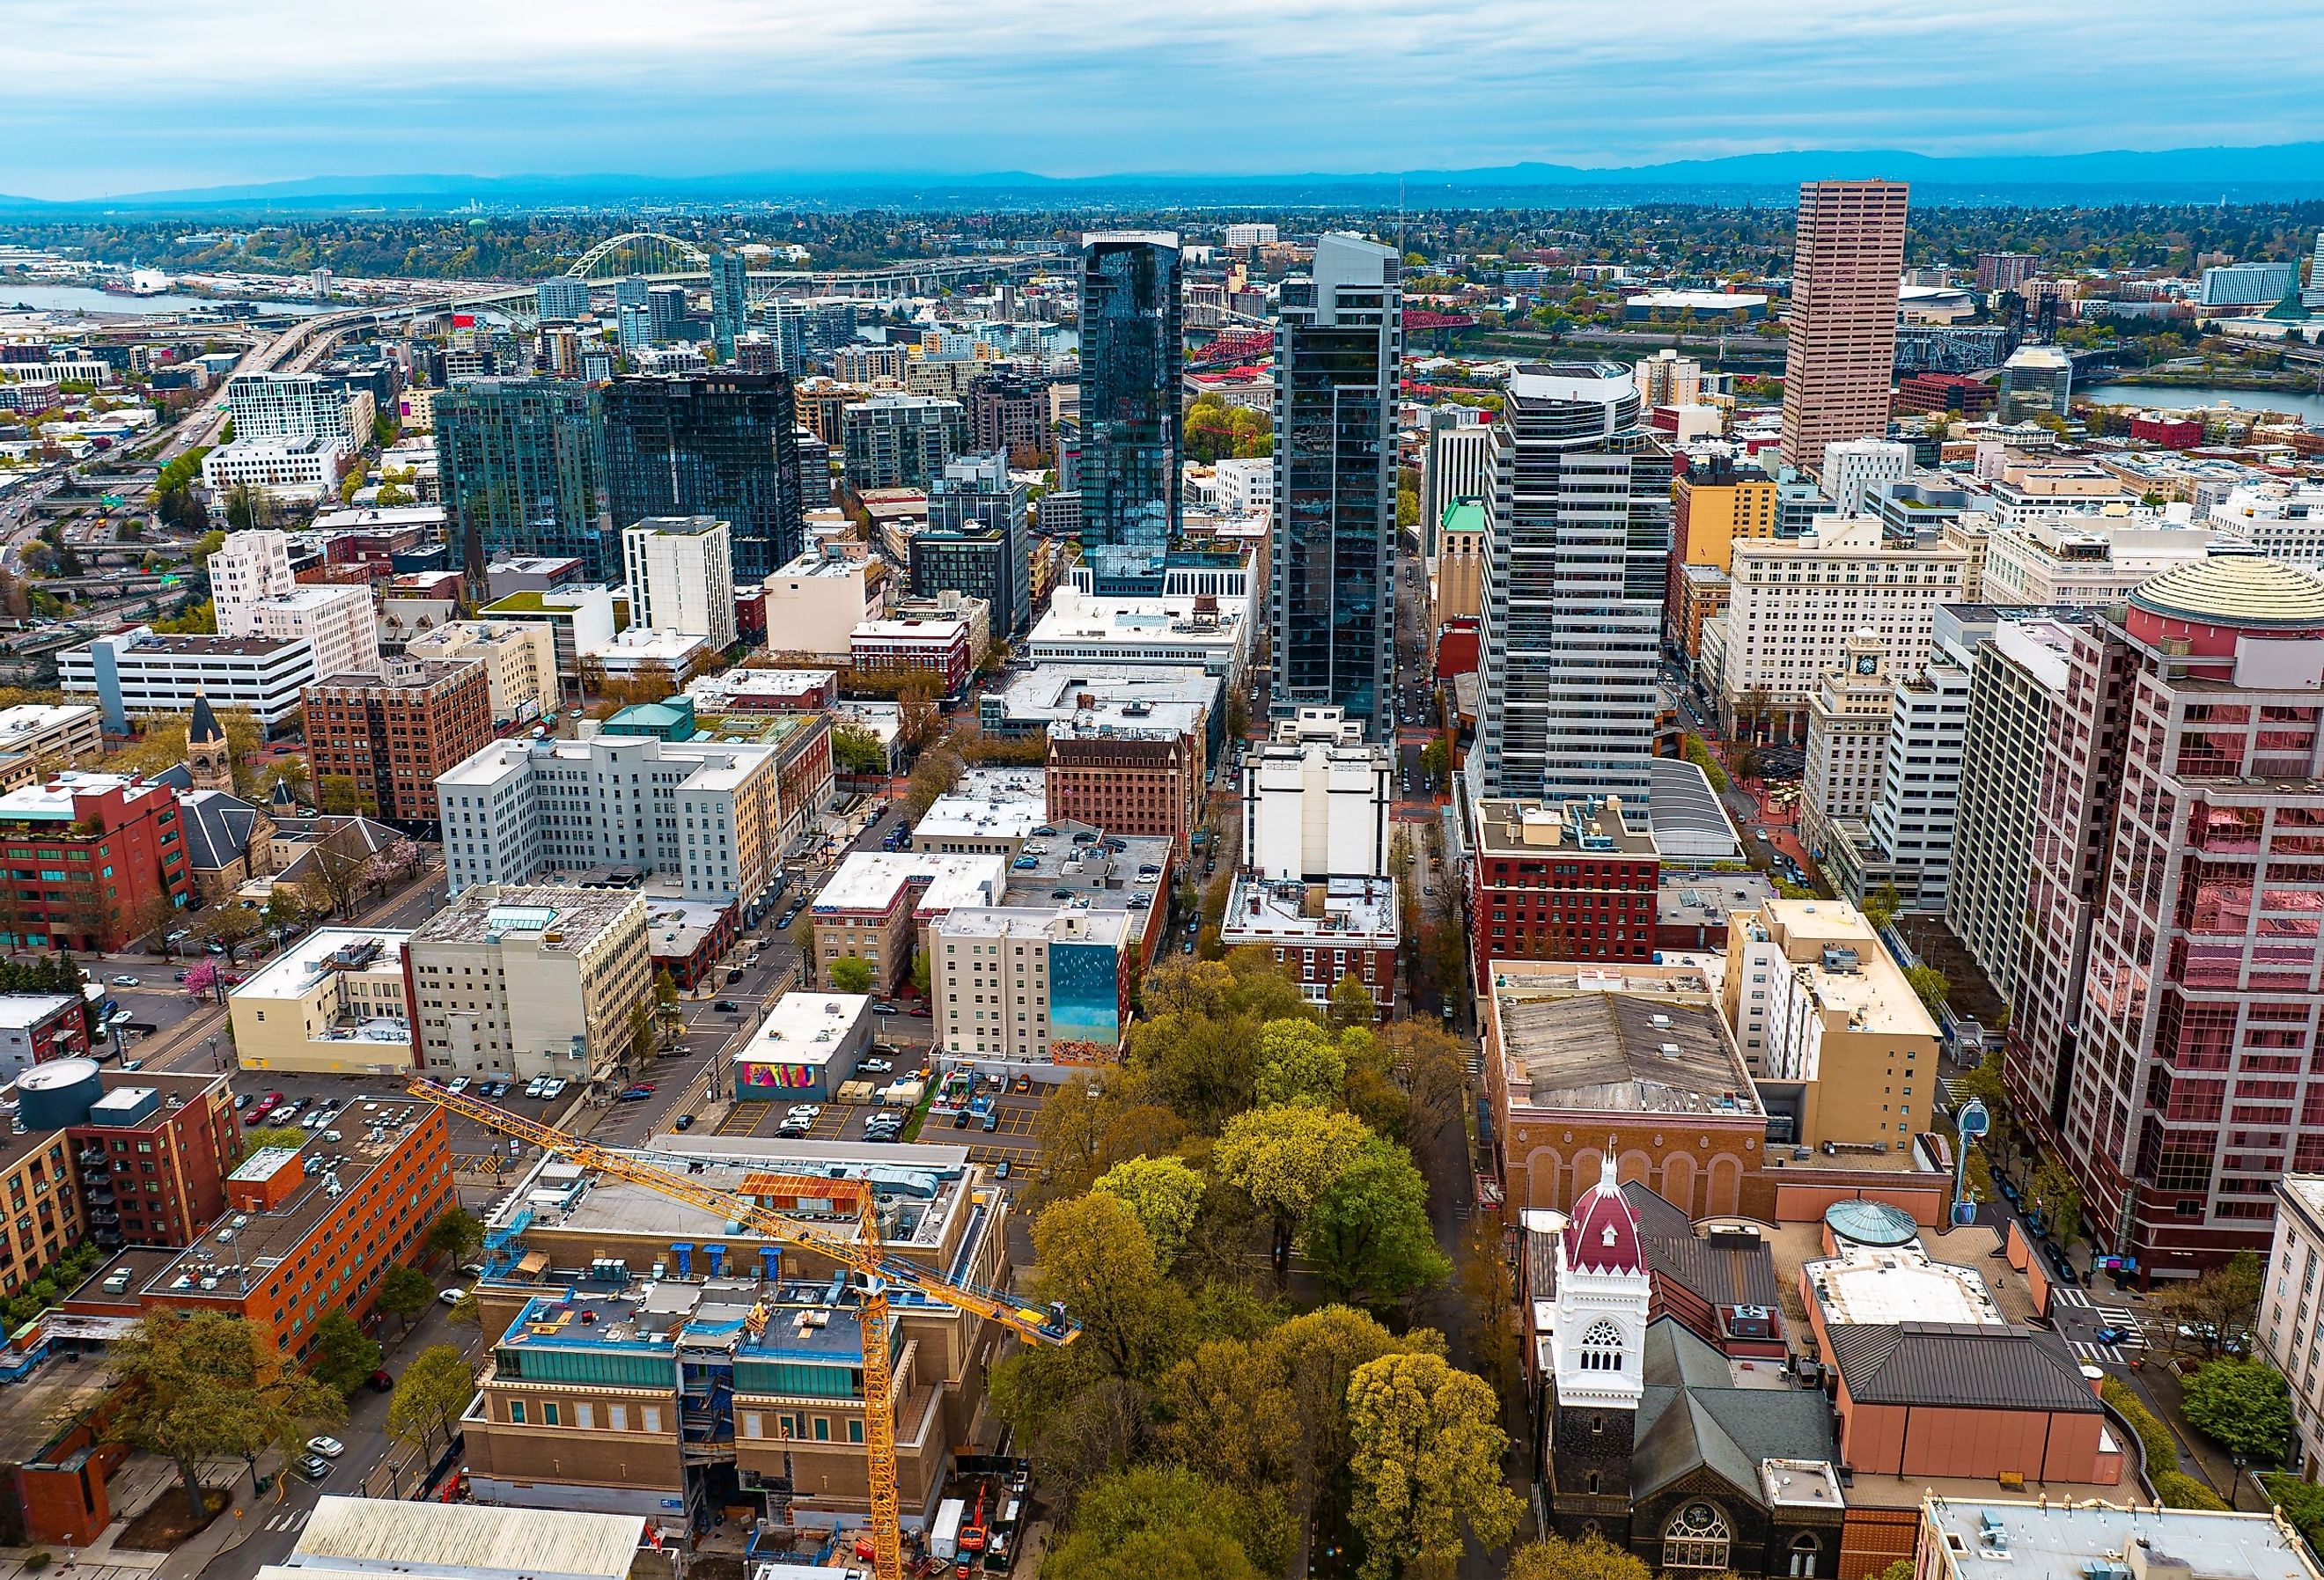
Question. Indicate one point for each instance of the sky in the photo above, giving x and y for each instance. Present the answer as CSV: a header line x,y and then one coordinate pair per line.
x,y
109,97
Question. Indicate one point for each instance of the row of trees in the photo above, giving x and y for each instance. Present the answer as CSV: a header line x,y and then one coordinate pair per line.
x,y
1248,1150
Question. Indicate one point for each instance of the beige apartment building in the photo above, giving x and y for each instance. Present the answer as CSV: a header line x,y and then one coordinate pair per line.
x,y
1848,741
1835,1037
543,980
1795,603
37,736
333,1003
519,660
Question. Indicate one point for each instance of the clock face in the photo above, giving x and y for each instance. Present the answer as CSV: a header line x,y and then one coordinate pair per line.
x,y
1867,663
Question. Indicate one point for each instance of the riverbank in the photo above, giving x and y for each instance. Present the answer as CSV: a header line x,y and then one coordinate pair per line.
x,y
2296,396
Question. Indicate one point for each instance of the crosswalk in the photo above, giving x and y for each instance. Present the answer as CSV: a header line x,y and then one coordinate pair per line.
x,y
2134,1334
290,1519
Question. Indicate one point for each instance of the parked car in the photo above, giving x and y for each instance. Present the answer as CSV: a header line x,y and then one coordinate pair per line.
x,y
450,1297
312,1467
381,1383
923,1011
555,1089
685,1122
1000,1169
992,1120
882,1007
457,1084
633,1094
328,1447
242,1102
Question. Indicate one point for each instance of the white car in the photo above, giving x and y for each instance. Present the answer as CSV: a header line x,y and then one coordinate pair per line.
x,y
127,981
328,1447
554,1088
457,1084
536,1086
450,1297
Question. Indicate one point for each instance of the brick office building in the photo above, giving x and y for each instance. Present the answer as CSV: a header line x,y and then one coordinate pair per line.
x,y
312,1230
1575,882
90,854
152,1156
394,734
1127,780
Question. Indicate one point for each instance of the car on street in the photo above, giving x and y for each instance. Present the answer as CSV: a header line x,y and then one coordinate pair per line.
x,y
313,1467
2112,1335
727,1007
127,981
685,1122
450,1297
882,1007
633,1094
381,1383
328,1447
923,1012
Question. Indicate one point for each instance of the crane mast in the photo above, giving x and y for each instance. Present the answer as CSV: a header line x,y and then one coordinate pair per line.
x,y
861,1255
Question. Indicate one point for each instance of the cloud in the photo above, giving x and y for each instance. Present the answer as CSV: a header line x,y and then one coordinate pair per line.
x,y
202,91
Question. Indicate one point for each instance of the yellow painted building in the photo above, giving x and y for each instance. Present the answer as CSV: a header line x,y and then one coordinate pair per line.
x,y
331,1004
1834,1034
1716,505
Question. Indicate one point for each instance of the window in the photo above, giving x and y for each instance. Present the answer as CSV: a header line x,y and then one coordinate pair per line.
x,y
1804,1548
548,1414
1695,1538
1601,1348
516,1411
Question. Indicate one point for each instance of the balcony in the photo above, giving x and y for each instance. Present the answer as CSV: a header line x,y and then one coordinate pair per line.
x,y
90,1157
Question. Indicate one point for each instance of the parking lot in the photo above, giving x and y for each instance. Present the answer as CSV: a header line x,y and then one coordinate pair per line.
x,y
1011,1137
470,1143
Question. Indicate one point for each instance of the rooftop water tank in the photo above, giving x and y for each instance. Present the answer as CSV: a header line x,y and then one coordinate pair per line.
x,y
58,1093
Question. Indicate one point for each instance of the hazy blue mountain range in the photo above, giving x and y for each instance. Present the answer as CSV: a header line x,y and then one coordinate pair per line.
x,y
2279,171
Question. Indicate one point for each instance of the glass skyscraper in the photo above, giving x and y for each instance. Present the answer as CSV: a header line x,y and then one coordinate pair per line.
x,y
522,465
729,300
1331,596
1132,360
720,444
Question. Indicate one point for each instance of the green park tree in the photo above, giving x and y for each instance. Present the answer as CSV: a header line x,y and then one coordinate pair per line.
x,y
1426,1461
342,1359
201,1386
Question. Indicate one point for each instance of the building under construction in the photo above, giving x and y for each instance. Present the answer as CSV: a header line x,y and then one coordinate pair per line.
x,y
655,1357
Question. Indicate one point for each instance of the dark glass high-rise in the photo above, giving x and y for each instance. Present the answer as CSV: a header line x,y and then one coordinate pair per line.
x,y
718,444
1132,360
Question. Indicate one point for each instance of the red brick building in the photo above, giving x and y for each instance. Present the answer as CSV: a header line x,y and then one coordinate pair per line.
x,y
93,859
153,1155
943,648
1127,780
2179,433
37,1027
394,734
1950,393
1575,882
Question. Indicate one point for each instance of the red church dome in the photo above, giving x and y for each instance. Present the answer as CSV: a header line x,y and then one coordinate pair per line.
x,y
1602,1234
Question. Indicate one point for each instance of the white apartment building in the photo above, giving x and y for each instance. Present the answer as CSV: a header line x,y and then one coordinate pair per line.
x,y
1245,487
1795,602
524,982
2283,520
1847,739
1854,467
1082,629
1250,235
2095,559
681,574
1913,816
338,621
247,567
814,603
133,673
297,405
1316,801
2291,1306
711,815
1010,982
519,656
304,469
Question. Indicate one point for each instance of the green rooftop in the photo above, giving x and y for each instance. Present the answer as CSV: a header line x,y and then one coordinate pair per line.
x,y
1464,515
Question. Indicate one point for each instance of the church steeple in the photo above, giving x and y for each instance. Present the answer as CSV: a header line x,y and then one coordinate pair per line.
x,y
209,760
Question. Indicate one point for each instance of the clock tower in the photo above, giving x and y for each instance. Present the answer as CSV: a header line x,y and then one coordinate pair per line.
x,y
1598,1350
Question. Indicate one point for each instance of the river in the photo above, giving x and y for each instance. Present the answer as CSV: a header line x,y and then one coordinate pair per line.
x,y
2310,407
60,299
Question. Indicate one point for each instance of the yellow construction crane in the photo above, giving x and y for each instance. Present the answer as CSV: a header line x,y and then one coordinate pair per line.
x,y
862,1256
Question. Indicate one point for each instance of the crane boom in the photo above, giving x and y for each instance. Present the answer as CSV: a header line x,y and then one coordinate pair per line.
x,y
862,1257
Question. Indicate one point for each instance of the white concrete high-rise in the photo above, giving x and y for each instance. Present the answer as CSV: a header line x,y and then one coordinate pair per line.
x,y
247,567
1854,467
681,577
1572,597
